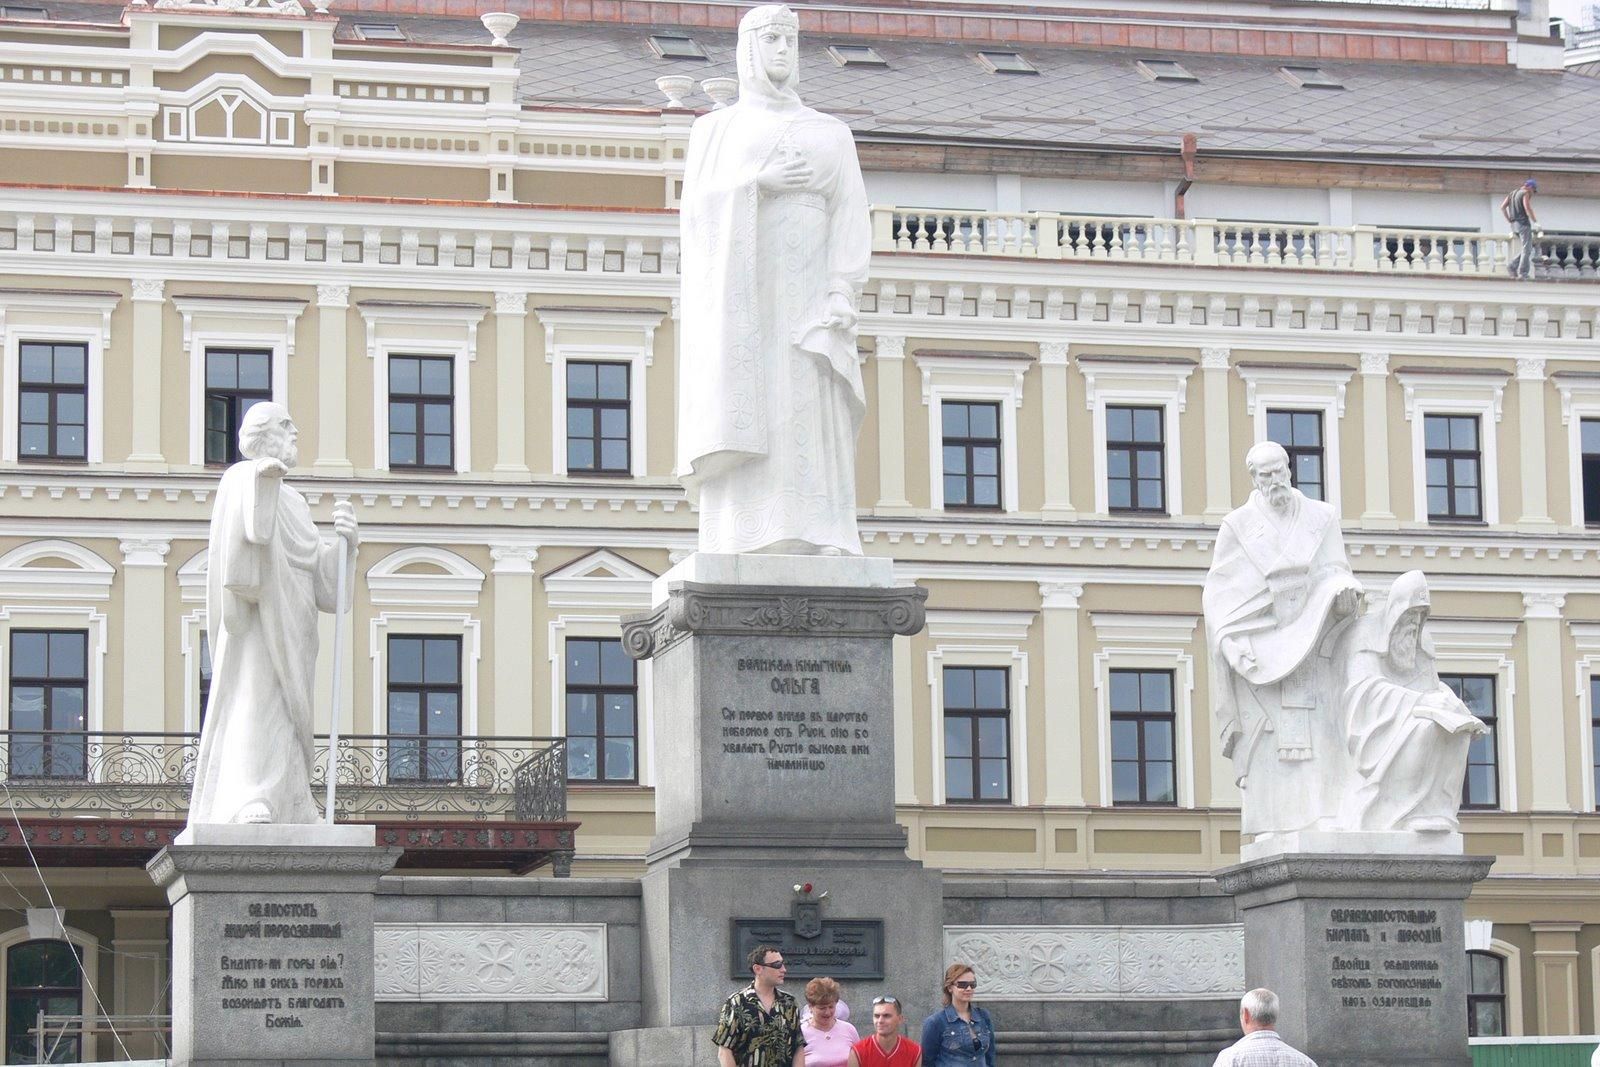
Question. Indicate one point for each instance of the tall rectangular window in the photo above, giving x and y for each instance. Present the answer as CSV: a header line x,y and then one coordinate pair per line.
x,y
236,381
1454,467
971,454
49,701
602,711
977,734
1143,736
1300,434
53,401
597,418
1589,446
1136,459
1486,995
424,708
421,413
1482,786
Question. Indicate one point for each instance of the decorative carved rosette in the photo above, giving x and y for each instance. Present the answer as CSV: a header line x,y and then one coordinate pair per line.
x,y
735,611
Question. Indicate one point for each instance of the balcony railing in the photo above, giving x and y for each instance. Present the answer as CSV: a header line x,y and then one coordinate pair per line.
x,y
379,777
1210,243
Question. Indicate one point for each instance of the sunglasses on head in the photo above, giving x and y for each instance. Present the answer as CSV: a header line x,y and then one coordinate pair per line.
x,y
885,1000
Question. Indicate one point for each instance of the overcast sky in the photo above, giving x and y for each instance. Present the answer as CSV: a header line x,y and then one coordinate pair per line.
x,y
1567,9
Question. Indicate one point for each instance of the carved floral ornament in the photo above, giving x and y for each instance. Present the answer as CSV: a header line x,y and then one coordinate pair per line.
x,y
274,7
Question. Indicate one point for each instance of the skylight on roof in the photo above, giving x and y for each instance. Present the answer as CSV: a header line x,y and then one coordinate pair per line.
x,y
676,46
1006,63
1311,78
37,14
379,31
856,55
1165,70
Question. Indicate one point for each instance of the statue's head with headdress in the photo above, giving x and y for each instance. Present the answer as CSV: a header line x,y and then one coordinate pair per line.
x,y
1404,614
769,53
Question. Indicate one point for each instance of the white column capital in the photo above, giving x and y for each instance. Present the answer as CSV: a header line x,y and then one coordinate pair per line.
x,y
510,303
149,289
1375,363
145,551
1215,358
513,559
1053,353
1530,368
889,345
1543,604
333,296
1060,595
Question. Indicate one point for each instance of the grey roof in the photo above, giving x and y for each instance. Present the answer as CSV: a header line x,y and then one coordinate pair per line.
x,y
938,91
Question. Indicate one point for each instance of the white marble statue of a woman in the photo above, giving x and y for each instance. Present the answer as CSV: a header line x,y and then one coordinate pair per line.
x,y
776,242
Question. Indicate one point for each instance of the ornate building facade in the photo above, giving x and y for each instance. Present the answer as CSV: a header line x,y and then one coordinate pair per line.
x,y
1111,252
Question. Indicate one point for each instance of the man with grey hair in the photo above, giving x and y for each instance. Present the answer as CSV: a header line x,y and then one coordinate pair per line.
x,y
1260,1046
268,575
1279,588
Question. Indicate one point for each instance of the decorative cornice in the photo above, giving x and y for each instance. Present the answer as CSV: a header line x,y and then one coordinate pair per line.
x,y
692,608
1298,870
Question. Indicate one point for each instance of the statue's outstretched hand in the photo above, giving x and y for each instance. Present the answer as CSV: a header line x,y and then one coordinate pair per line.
x,y
268,467
784,173
841,314
1349,602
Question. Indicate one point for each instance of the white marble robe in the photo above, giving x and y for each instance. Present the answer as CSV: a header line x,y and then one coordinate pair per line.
x,y
269,574
770,401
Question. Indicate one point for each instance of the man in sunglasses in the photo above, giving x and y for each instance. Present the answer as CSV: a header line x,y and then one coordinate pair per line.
x,y
760,1024
887,1047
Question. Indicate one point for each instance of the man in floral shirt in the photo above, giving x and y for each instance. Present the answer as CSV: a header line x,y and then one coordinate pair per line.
x,y
760,1024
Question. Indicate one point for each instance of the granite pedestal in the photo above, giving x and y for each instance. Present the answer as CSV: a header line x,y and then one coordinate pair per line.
x,y
774,754
1367,953
272,943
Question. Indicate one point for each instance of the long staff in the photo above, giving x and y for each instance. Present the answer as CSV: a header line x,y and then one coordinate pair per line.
x,y
341,604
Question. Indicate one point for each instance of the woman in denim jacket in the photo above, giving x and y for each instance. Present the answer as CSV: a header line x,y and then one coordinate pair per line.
x,y
959,1034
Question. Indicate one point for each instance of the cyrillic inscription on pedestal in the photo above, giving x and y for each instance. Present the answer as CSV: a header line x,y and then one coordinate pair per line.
x,y
282,966
781,711
1384,960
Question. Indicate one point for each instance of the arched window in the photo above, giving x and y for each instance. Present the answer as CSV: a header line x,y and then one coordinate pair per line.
x,y
41,976
1486,995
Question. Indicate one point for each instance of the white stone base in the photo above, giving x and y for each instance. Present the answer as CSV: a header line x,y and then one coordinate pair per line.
x,y
269,834
1353,843
760,568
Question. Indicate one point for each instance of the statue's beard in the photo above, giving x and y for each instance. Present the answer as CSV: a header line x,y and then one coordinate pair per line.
x,y
1277,496
1403,649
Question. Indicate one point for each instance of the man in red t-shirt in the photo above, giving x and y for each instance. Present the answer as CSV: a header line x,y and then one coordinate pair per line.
x,y
887,1047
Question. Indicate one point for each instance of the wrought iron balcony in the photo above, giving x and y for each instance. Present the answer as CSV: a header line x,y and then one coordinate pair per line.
x,y
379,777
1210,243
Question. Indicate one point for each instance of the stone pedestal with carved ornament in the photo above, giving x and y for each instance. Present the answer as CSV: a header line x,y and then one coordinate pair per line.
x,y
774,753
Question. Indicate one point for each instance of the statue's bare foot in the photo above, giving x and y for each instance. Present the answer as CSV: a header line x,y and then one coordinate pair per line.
x,y
255,812
1430,824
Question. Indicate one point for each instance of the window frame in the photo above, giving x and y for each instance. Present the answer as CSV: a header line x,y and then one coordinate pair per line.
x,y
1295,451
234,397
969,445
1273,387
420,328
1135,448
1503,997
48,683
1493,722
419,402
424,741
1157,642
266,324
1451,456
600,690
96,338
52,391
975,717
969,377
978,638
1456,393
597,405
1141,718
1486,647
1580,399
84,945
605,335
1121,382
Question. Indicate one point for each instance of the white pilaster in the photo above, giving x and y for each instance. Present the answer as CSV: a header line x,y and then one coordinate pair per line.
x,y
1214,363
149,301
512,707
890,360
510,362
1534,471
1379,511
333,438
1063,703
1547,717
1057,481
144,620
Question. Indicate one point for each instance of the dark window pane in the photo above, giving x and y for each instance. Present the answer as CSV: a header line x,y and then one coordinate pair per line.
x,y
986,492
403,417
402,450
954,419
1589,435
992,736
616,666
1124,740
958,691
1125,783
255,371
618,715
440,663
580,455
614,455
1158,740
1435,431
30,656
580,422
992,779
404,375
405,713
581,381
984,420
436,418
444,714
958,737
1159,786
435,374
1119,424
614,422
1278,427
581,761
582,714
37,365
991,688
583,662
958,779
405,660
613,381
1147,424
619,758
436,451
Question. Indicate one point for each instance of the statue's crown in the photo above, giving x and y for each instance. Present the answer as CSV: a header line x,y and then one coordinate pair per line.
x,y
769,15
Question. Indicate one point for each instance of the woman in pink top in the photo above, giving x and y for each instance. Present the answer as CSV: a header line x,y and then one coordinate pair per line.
x,y
828,1038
